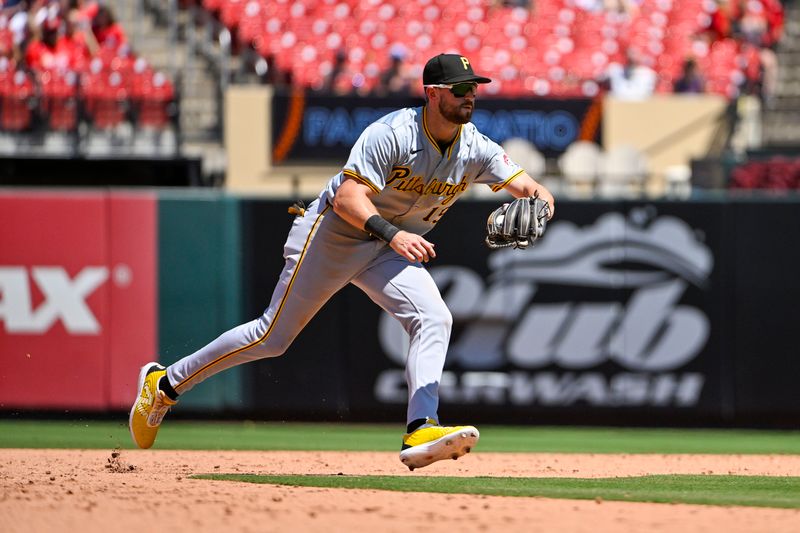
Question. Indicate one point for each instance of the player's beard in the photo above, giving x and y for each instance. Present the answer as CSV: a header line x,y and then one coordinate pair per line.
x,y
459,113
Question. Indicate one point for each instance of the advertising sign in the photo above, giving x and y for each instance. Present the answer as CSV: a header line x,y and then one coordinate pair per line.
x,y
309,127
612,310
77,298
628,312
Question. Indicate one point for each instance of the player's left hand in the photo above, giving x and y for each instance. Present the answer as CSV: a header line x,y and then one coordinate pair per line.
x,y
543,194
413,247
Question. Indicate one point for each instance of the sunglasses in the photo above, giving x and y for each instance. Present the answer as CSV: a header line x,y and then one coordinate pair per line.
x,y
459,90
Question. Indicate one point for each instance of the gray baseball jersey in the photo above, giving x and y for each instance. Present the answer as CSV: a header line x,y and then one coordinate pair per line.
x,y
415,183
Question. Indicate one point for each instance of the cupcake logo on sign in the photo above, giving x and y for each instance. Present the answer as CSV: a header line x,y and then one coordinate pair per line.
x,y
621,337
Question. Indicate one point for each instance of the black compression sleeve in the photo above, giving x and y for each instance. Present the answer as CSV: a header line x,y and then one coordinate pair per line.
x,y
380,227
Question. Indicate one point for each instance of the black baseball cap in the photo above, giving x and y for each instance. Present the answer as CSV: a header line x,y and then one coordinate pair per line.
x,y
450,68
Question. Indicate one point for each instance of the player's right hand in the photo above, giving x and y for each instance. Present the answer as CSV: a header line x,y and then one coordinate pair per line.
x,y
413,247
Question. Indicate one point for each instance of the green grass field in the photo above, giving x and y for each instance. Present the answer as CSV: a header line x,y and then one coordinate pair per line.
x,y
783,492
179,435
751,491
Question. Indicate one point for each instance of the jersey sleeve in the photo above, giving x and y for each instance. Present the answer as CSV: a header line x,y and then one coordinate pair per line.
x,y
498,169
372,156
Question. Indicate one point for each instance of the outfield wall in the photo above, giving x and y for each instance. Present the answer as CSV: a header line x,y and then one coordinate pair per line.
x,y
628,312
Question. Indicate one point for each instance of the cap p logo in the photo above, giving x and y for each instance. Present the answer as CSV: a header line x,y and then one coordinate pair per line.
x,y
465,62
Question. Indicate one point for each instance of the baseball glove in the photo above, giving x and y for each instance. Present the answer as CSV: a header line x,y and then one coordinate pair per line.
x,y
518,224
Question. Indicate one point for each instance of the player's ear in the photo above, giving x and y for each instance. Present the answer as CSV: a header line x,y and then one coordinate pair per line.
x,y
430,94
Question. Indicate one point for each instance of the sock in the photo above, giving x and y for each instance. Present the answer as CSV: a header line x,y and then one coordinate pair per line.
x,y
415,424
163,385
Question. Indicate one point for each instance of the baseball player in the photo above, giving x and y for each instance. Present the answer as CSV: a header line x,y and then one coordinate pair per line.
x,y
367,228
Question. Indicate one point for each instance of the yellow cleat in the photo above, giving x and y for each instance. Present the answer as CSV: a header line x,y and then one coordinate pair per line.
x,y
431,442
150,406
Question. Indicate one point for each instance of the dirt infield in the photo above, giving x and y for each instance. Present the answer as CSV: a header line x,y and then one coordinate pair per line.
x,y
92,491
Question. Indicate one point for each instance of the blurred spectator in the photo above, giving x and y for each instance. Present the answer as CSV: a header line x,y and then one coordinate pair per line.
x,y
107,31
629,8
753,23
394,80
760,70
761,30
500,4
7,46
42,52
593,6
621,7
769,72
40,11
78,41
15,16
338,68
756,25
751,68
86,9
691,81
10,7
632,81
774,15
10,4
516,3
724,17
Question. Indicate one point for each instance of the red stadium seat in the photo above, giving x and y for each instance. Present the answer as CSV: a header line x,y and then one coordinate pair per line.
x,y
251,24
554,33
231,12
213,5
17,93
106,99
152,97
59,99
